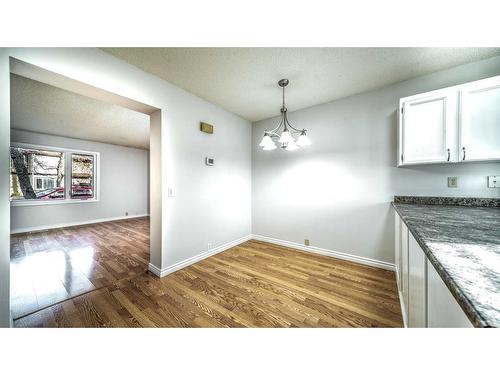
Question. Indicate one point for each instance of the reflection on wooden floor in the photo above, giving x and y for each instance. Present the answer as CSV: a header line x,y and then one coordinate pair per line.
x,y
251,285
52,266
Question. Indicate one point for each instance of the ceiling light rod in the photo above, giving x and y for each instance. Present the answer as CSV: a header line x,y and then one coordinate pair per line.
x,y
285,137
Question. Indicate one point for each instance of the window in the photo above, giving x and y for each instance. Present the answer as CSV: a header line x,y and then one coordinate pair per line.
x,y
82,176
36,174
39,183
39,174
48,183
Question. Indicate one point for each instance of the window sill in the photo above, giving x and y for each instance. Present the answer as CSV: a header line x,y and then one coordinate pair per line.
x,y
50,203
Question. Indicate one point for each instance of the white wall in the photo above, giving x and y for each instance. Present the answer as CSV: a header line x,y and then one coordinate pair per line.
x,y
4,192
336,193
123,185
211,204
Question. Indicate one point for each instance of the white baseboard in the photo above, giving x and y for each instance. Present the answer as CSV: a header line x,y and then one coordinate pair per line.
x,y
336,254
187,262
331,253
74,224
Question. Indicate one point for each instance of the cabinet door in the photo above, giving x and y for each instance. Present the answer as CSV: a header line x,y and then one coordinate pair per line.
x,y
417,274
480,120
428,129
404,269
397,255
442,308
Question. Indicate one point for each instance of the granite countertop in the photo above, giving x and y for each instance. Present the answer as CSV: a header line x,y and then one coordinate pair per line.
x,y
463,244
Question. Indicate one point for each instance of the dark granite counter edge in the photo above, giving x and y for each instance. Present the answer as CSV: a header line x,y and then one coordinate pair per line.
x,y
448,201
474,316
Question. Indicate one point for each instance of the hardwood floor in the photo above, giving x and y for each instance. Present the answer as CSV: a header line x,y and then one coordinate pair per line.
x,y
254,284
51,266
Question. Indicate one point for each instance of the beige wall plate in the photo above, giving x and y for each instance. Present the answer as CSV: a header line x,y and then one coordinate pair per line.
x,y
207,128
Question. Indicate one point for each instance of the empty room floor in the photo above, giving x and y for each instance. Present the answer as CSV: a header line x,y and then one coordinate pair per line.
x,y
51,266
254,284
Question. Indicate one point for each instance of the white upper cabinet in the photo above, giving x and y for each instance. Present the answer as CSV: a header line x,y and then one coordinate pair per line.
x,y
479,125
427,128
456,124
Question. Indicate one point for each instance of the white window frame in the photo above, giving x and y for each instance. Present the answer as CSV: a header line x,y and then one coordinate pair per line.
x,y
44,180
67,176
36,179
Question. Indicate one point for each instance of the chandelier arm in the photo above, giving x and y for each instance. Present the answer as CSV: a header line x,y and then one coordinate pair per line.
x,y
279,125
272,134
297,130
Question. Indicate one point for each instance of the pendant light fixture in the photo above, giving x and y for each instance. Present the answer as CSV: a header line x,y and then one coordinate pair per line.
x,y
284,133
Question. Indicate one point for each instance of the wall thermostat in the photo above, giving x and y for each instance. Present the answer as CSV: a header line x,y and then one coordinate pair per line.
x,y
209,161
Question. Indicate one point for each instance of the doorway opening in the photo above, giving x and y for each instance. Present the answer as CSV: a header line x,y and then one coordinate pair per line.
x,y
79,188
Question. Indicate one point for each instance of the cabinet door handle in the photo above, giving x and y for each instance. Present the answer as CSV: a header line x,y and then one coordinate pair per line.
x,y
448,151
463,150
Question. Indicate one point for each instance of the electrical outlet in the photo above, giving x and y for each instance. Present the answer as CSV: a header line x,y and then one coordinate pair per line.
x,y
306,242
494,181
452,182
209,246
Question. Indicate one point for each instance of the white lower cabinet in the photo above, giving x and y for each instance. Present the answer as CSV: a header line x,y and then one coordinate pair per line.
x,y
397,257
402,264
443,311
425,299
417,275
404,270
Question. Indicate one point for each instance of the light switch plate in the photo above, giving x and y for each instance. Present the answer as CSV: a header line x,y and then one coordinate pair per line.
x,y
452,182
494,181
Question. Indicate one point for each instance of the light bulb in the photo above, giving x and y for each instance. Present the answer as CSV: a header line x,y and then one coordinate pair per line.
x,y
266,140
291,146
269,147
303,140
286,137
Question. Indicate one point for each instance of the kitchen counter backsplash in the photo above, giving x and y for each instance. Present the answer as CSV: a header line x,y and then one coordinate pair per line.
x,y
448,201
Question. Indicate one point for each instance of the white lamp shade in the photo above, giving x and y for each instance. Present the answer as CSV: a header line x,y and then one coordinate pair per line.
x,y
303,140
269,147
266,140
291,146
286,137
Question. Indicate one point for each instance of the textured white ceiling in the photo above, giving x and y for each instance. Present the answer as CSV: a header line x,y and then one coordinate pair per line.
x,y
244,80
42,108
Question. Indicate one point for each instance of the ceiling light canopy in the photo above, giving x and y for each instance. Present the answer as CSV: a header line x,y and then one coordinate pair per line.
x,y
284,133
